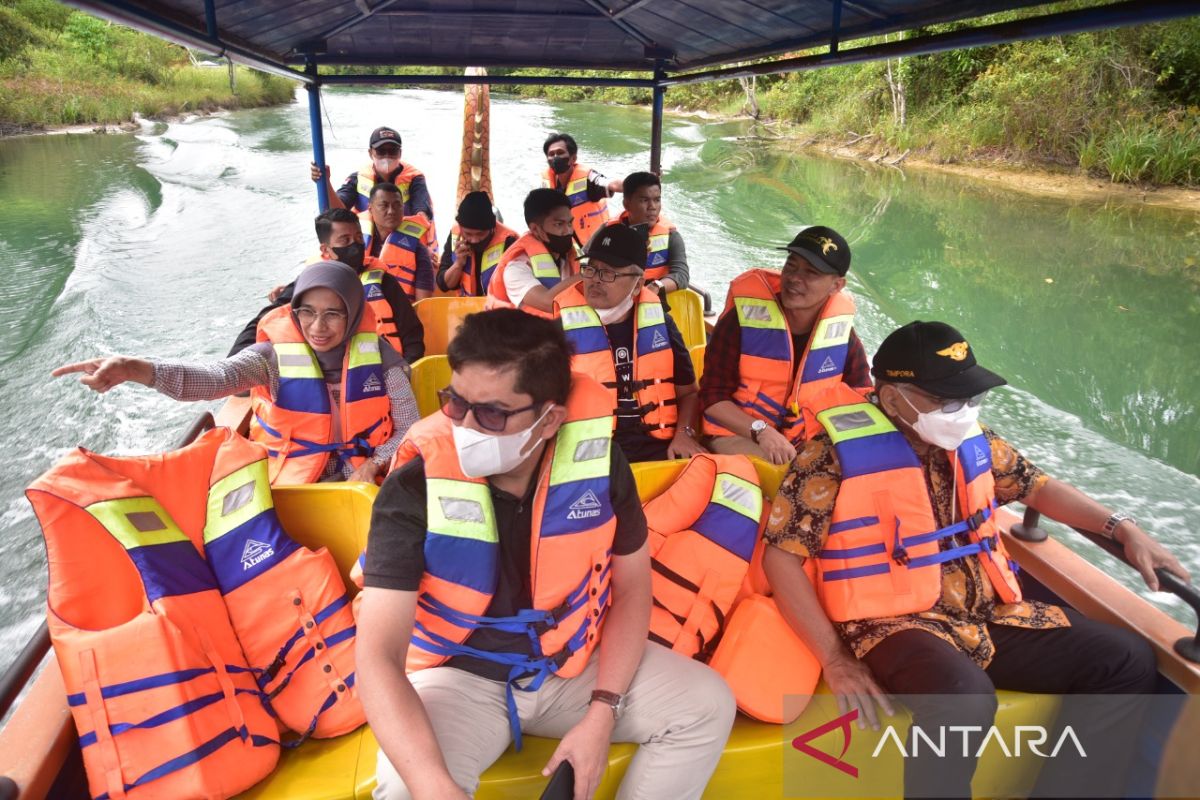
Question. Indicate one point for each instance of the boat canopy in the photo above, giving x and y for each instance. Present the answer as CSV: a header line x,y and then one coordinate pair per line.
x,y
672,41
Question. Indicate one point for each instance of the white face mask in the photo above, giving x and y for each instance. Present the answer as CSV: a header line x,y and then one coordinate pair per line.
x,y
942,429
384,166
481,454
615,314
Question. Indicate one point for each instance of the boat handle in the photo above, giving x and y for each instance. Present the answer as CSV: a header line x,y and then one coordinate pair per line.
x,y
1189,646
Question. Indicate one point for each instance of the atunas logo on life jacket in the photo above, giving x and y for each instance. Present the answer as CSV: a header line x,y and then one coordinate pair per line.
x,y
255,552
586,507
827,366
372,384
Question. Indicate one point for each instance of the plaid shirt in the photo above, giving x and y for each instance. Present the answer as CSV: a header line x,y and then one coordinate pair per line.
x,y
723,355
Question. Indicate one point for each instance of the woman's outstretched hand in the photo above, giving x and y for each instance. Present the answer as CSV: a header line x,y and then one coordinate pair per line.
x,y
102,374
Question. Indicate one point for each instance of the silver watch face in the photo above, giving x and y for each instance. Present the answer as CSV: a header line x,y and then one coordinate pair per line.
x,y
758,425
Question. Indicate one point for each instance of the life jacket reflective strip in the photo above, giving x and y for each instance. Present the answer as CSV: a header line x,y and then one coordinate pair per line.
x,y
287,603
158,589
653,357
573,527
297,425
658,246
544,267
403,181
467,286
385,322
703,529
589,214
766,388
398,253
883,556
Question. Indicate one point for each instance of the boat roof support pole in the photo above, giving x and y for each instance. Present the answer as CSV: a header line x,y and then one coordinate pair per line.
x,y
210,18
656,119
316,132
835,33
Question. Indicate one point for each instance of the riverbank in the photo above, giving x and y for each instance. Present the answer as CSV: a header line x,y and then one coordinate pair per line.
x,y
62,68
1065,183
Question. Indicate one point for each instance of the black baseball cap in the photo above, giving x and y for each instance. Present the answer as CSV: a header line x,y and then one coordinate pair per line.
x,y
822,247
934,357
384,135
618,245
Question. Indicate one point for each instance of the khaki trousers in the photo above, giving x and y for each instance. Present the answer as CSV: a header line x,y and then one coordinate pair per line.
x,y
737,445
678,710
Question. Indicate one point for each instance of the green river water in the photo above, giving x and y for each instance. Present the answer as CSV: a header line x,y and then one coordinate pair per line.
x,y
164,243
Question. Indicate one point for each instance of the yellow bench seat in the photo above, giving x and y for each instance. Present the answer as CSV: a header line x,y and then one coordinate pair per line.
x,y
751,767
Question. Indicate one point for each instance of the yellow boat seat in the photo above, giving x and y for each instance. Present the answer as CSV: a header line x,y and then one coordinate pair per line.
x,y
758,761
441,317
430,375
697,354
687,309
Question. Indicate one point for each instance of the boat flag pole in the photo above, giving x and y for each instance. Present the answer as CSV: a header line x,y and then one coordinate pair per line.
x,y
656,119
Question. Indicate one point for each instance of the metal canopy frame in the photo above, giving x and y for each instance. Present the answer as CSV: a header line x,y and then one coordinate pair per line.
x,y
658,60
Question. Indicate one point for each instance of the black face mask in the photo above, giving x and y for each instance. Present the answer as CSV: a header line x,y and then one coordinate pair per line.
x,y
560,164
351,255
560,244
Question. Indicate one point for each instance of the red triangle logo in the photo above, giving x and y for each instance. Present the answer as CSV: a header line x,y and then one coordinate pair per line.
x,y
801,742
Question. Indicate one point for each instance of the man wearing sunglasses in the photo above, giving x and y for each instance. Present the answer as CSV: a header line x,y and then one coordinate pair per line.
x,y
900,490
507,588
624,339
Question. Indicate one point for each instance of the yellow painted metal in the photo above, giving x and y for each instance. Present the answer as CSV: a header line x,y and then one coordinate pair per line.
x,y
441,317
430,375
697,353
687,309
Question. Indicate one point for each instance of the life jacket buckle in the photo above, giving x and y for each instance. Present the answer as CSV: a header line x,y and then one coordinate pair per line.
x,y
975,520
900,556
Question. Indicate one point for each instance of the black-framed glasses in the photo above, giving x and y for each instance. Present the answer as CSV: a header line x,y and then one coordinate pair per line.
x,y
489,417
605,275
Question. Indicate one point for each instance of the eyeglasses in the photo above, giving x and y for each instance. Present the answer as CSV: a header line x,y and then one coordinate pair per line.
x,y
387,150
606,275
308,315
950,406
489,417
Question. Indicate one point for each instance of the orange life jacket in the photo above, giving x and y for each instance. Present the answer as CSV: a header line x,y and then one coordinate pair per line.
x,y
398,253
182,616
573,528
658,246
545,269
589,214
766,389
653,357
469,285
297,425
883,556
367,178
769,669
703,529
385,320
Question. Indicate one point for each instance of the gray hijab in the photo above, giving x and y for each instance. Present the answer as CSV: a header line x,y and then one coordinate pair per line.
x,y
346,284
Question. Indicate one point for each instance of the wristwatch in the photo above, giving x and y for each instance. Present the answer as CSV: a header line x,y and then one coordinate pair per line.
x,y
1110,524
756,429
611,699
657,284
689,431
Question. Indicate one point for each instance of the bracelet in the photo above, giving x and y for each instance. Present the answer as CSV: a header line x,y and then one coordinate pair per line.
x,y
1110,525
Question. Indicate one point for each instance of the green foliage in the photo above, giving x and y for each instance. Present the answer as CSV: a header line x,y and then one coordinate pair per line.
x,y
1175,57
63,67
15,34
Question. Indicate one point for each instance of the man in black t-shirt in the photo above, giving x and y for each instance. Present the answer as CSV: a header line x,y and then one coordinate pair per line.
x,y
459,586
652,424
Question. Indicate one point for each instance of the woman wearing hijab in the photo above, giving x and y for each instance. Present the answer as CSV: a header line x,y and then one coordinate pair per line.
x,y
331,398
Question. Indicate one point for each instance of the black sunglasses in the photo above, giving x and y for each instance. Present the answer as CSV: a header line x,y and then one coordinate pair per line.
x,y
489,417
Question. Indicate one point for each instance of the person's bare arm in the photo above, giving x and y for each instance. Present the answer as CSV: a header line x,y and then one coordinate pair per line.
x,y
394,710
848,678
1063,502
542,299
